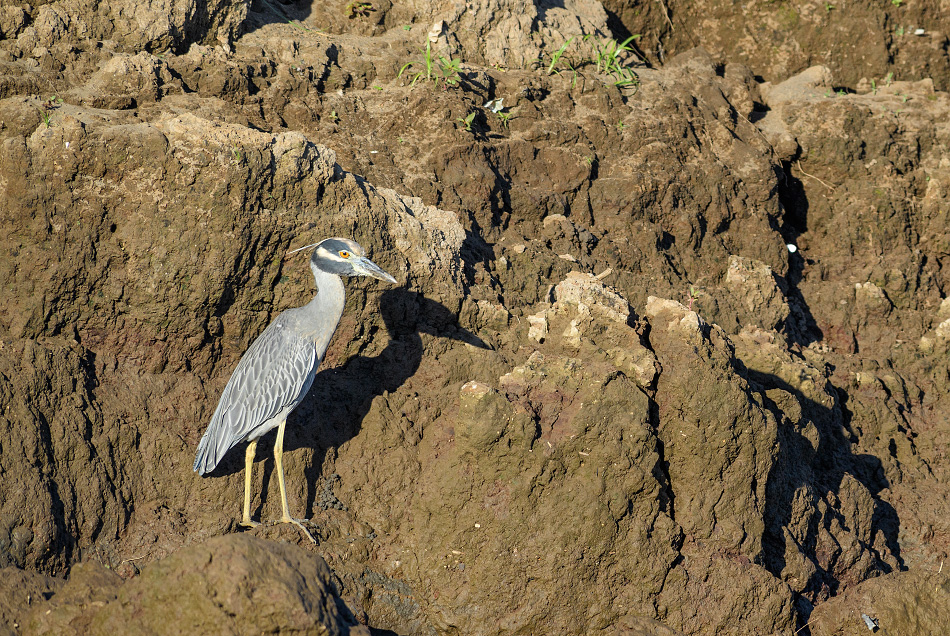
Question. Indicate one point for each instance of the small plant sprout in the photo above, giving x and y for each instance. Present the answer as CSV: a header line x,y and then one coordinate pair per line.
x,y
445,72
334,117
899,31
358,9
449,71
608,59
625,77
889,78
691,298
829,7
841,92
467,121
557,56
407,27
897,3
427,62
296,23
505,118
46,112
621,126
236,154
608,54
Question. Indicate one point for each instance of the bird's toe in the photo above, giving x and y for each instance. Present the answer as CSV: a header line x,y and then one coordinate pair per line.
x,y
299,523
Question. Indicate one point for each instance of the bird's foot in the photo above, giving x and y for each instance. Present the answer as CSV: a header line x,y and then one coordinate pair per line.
x,y
247,523
299,524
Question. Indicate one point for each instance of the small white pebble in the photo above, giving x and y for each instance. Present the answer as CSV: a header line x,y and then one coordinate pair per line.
x,y
792,248
374,152
478,525
919,31
67,144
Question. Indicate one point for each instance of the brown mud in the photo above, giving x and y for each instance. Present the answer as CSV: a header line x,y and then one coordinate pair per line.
x,y
606,397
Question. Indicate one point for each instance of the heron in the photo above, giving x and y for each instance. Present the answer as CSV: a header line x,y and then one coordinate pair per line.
x,y
276,371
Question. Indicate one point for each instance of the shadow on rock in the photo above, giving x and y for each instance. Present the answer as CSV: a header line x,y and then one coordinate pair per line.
x,y
792,195
280,11
333,411
825,524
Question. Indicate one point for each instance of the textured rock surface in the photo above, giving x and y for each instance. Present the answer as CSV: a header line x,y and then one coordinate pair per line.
x,y
862,39
899,603
228,585
153,25
606,397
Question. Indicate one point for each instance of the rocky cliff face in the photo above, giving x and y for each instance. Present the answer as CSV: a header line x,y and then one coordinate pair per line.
x,y
668,353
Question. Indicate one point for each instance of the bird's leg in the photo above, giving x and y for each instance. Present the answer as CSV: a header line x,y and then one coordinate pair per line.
x,y
248,466
278,460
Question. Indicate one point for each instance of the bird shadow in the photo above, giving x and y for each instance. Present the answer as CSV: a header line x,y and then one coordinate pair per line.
x,y
333,410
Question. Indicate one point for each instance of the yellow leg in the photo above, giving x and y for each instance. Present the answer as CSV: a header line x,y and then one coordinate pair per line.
x,y
248,466
278,460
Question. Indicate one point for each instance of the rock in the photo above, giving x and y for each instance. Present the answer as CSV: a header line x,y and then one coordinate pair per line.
x,y
853,46
127,80
155,25
756,294
899,603
500,443
234,584
810,85
598,316
673,315
19,590
199,158
720,455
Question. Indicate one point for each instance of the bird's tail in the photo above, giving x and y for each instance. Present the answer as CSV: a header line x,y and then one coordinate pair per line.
x,y
208,455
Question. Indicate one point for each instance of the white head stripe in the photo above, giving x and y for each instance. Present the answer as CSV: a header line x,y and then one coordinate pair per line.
x,y
302,248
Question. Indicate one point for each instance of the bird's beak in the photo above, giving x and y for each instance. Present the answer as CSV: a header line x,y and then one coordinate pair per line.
x,y
367,267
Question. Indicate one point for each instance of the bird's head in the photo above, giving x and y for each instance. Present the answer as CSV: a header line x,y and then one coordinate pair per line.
x,y
344,257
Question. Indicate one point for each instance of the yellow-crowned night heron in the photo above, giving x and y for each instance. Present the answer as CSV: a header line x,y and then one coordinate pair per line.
x,y
275,374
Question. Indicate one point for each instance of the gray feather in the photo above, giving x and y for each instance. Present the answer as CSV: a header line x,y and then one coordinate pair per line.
x,y
272,377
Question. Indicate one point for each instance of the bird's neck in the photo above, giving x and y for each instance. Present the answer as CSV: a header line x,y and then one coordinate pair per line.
x,y
326,308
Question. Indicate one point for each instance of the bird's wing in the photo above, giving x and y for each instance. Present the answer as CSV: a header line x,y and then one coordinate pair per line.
x,y
273,376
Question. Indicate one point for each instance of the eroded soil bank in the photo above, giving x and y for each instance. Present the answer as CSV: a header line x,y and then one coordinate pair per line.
x,y
668,353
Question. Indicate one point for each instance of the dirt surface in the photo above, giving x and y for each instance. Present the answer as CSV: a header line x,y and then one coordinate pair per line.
x,y
668,353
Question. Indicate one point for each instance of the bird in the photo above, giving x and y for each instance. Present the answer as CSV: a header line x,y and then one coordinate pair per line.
x,y
274,374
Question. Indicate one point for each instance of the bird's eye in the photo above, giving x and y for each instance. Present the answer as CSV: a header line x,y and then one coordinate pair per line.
x,y
345,254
